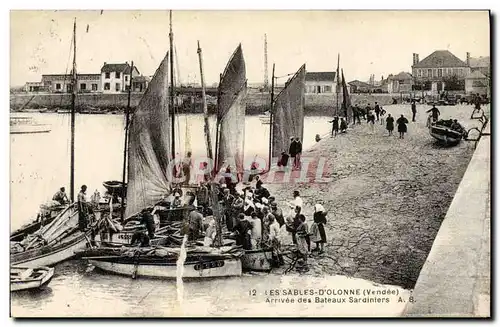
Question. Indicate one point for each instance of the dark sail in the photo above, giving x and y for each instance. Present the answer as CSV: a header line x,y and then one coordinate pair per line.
x,y
149,146
231,113
288,113
346,101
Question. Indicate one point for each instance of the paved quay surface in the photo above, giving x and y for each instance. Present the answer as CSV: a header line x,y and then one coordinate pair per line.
x,y
386,197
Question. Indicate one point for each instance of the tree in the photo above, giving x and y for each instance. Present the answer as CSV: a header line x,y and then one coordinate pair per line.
x,y
453,83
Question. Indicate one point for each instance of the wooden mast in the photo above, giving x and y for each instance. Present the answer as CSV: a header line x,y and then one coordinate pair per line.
x,y
172,92
215,203
208,140
73,109
217,123
271,114
125,147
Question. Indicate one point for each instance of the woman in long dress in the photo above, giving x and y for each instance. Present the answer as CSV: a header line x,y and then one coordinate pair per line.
x,y
402,129
389,124
318,229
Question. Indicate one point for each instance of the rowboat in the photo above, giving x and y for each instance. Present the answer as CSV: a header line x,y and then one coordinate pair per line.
x,y
443,132
257,260
26,125
24,278
161,262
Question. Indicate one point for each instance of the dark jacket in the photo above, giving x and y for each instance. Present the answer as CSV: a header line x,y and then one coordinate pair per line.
x,y
293,149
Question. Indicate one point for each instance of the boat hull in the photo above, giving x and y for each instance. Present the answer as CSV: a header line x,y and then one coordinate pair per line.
x,y
445,135
198,269
52,254
31,283
257,260
29,129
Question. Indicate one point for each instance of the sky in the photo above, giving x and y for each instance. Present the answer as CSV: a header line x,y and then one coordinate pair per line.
x,y
369,42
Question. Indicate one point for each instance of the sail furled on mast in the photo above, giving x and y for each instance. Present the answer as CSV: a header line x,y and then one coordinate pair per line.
x,y
231,113
346,100
149,151
288,113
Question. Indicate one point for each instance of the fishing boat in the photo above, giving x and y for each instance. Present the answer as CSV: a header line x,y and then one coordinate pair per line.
x,y
161,262
27,125
257,260
63,111
57,241
25,278
46,215
53,243
442,131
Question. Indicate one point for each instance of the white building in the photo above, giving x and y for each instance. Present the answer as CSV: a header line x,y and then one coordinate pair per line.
x,y
63,83
115,78
320,82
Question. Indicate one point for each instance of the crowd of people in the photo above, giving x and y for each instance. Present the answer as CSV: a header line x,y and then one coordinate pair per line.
x,y
378,114
253,217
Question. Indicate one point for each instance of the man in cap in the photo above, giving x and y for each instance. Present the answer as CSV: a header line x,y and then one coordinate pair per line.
x,y
83,208
293,148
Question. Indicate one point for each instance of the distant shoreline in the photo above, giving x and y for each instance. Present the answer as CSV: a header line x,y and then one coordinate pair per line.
x,y
256,103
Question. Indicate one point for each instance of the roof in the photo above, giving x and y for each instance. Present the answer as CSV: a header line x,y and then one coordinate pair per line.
x,y
440,58
359,84
142,79
476,75
122,68
60,77
320,76
402,76
479,62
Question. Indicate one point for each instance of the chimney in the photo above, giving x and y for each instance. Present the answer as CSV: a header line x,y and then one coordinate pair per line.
x,y
415,58
467,60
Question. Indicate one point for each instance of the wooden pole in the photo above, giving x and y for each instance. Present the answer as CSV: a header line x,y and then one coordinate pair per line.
x,y
215,201
208,140
73,112
172,91
125,146
271,114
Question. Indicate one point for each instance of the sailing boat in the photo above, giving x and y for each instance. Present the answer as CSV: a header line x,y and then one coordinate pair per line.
x,y
230,128
58,240
287,115
346,101
151,153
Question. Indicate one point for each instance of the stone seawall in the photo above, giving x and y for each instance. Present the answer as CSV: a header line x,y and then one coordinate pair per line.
x,y
321,104
455,279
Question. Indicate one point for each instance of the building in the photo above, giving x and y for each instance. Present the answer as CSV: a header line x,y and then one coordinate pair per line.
x,y
481,64
359,87
115,78
34,87
400,83
320,82
476,82
62,83
140,83
440,71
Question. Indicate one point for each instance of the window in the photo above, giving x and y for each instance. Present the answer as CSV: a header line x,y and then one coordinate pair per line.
x,y
94,87
440,72
126,78
58,86
69,88
83,86
117,87
429,73
127,87
328,88
107,76
419,72
107,86
117,75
